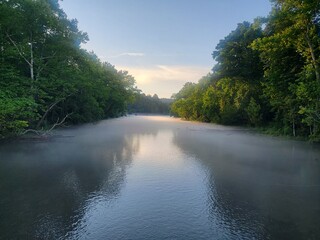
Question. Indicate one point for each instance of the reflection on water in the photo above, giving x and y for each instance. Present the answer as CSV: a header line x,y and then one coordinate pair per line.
x,y
260,187
159,178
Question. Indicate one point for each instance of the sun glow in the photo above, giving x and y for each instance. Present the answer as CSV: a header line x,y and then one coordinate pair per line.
x,y
164,79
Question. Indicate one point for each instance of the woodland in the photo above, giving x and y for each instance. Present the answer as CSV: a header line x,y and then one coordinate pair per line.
x,y
46,78
266,75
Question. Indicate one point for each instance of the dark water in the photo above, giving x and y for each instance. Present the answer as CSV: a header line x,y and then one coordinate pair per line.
x,y
159,178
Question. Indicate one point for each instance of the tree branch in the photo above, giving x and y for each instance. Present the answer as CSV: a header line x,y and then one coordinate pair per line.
x,y
47,132
31,130
59,123
40,68
20,52
50,108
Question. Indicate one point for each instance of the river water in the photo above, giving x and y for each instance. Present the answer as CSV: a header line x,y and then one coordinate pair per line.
x,y
152,177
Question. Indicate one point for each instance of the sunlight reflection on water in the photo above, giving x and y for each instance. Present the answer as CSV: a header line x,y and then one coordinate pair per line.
x,y
155,177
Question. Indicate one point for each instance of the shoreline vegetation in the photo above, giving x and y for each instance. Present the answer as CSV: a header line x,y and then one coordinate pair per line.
x,y
46,79
266,76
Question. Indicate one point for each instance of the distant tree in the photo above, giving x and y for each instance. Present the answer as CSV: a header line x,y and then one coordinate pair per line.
x,y
149,104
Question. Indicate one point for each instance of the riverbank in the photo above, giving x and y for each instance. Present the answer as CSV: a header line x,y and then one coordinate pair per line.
x,y
266,130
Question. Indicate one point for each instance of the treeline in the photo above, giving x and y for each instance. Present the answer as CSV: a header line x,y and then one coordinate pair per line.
x,y
149,104
46,78
266,74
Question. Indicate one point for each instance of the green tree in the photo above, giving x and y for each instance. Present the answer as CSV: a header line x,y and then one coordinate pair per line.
x,y
234,56
254,112
289,52
45,76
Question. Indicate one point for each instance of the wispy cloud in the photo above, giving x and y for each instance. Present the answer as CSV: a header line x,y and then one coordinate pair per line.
x,y
129,54
166,73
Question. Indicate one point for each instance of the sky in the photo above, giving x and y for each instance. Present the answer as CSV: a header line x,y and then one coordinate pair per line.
x,y
162,43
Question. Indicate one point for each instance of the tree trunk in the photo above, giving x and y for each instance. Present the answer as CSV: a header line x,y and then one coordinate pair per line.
x,y
31,62
313,56
293,128
50,108
314,61
317,72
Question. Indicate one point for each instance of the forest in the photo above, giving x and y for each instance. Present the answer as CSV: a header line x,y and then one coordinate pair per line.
x,y
46,78
266,75
149,104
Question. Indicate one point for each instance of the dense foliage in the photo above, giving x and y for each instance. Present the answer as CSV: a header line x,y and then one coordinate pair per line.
x,y
46,77
267,73
149,104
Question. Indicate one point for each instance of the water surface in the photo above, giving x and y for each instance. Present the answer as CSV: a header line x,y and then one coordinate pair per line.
x,y
148,177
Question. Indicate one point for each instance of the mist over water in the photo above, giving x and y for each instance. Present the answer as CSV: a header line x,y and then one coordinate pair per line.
x,y
150,177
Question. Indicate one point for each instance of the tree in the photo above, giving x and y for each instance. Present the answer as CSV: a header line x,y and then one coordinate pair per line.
x,y
254,112
223,96
267,72
45,76
234,56
289,51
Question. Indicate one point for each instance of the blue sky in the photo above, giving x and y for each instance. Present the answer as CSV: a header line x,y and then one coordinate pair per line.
x,y
162,43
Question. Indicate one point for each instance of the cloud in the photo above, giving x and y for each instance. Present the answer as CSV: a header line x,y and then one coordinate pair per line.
x,y
167,73
129,54
165,79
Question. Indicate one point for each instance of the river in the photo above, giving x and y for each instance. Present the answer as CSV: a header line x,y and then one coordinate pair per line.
x,y
155,177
